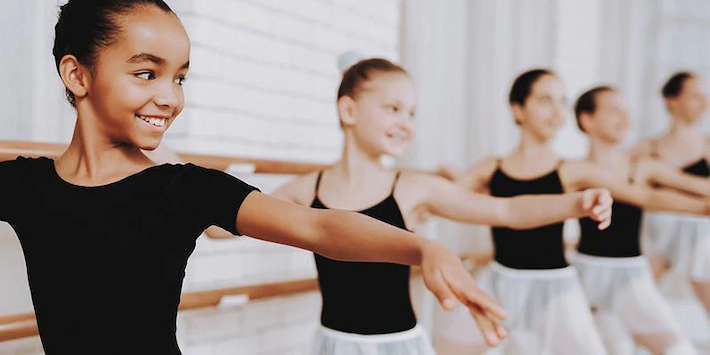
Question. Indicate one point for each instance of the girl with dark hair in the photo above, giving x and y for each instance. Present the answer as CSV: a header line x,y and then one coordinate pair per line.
x,y
366,306
106,233
549,313
677,242
615,275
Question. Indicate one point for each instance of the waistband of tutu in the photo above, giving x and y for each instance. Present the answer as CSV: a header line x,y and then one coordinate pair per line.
x,y
410,334
560,273
592,260
678,216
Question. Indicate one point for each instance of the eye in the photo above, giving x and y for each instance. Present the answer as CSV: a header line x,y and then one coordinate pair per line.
x,y
180,80
146,75
393,108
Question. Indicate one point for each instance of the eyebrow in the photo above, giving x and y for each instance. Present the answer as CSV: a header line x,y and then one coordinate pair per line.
x,y
147,57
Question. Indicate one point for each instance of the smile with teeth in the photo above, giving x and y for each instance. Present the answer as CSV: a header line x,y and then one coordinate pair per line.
x,y
157,122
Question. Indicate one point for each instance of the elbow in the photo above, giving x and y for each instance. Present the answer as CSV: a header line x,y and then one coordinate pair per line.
x,y
507,217
312,234
218,233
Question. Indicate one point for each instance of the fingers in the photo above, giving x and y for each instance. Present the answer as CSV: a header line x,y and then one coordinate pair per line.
x,y
604,224
588,199
492,331
464,287
436,284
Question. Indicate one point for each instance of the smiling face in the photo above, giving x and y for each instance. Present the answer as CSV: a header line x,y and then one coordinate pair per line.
x,y
691,104
610,119
543,112
135,89
380,116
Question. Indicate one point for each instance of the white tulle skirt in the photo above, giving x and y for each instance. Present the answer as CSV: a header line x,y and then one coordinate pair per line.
x,y
626,302
332,342
683,240
548,314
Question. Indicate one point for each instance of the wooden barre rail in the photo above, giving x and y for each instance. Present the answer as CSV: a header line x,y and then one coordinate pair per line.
x,y
12,149
25,325
21,326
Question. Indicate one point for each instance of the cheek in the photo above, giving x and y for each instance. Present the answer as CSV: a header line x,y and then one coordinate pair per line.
x,y
128,95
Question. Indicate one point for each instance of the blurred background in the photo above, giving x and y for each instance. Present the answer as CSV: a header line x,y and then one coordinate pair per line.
x,y
262,84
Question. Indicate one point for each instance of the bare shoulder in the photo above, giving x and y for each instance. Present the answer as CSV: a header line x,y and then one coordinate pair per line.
x,y
415,190
574,173
483,169
416,182
642,148
300,190
485,166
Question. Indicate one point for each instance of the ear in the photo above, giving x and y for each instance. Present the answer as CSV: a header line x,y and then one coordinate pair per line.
x,y
74,76
346,111
585,120
670,103
517,113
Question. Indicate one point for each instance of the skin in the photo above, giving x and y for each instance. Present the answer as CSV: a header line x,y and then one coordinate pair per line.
x,y
683,144
607,127
108,139
377,121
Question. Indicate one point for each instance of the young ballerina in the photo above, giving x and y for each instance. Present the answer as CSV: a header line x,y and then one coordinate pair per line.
x,y
615,276
682,241
106,233
548,310
366,306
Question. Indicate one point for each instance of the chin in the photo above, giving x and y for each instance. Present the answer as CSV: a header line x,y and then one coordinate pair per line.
x,y
148,144
395,150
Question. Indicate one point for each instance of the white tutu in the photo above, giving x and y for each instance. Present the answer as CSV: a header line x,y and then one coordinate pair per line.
x,y
684,240
411,342
548,314
626,301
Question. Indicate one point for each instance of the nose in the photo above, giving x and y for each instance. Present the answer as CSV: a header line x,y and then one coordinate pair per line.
x,y
167,96
559,111
407,126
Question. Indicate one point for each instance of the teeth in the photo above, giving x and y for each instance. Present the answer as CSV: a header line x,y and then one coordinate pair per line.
x,y
158,122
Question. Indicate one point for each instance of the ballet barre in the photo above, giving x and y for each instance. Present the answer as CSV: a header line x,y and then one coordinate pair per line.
x,y
12,149
24,325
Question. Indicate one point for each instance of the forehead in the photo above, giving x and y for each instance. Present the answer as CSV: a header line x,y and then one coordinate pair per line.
x,y
151,30
547,84
692,84
607,97
390,84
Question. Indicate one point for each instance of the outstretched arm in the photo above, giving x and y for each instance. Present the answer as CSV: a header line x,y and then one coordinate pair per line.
x,y
523,212
351,236
660,173
583,175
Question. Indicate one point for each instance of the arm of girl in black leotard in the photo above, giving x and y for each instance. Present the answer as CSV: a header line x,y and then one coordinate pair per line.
x,y
450,201
581,175
659,173
352,236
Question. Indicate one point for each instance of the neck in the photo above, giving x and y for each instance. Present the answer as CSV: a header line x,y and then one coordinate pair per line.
x,y
532,147
684,131
93,155
603,152
355,162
